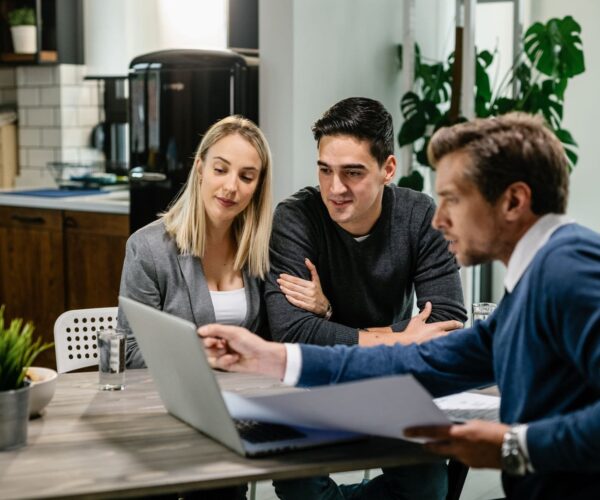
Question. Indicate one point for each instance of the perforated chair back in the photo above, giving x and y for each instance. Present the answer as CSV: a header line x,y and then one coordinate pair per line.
x,y
75,336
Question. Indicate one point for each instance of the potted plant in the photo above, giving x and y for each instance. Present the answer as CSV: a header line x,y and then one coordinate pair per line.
x,y
552,54
17,353
23,30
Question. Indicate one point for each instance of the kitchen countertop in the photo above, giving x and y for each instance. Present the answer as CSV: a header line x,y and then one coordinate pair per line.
x,y
113,202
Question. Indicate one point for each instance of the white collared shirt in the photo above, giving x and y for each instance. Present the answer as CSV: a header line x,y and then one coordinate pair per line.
x,y
529,245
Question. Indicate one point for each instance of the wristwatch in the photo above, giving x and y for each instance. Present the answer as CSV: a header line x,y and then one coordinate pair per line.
x,y
328,313
514,461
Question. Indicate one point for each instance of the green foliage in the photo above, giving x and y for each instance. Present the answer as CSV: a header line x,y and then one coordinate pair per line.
x,y
17,352
414,181
552,54
23,16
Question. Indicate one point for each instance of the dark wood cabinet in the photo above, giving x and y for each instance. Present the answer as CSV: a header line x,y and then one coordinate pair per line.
x,y
53,260
94,253
59,27
31,269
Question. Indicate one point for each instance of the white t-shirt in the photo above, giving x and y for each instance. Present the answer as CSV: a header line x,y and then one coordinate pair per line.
x,y
230,306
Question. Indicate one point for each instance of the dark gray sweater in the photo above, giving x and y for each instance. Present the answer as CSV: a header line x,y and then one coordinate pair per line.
x,y
369,283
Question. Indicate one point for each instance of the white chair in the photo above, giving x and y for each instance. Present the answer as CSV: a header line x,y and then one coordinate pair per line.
x,y
76,345
75,336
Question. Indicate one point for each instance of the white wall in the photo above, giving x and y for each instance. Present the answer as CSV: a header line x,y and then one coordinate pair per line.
x,y
118,30
314,53
582,107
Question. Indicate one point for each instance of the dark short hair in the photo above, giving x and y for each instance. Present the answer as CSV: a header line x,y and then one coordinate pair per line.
x,y
362,118
516,147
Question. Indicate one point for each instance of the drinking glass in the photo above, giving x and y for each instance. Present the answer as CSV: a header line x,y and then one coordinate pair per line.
x,y
481,311
111,347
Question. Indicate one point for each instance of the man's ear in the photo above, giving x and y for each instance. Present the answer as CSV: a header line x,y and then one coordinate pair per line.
x,y
516,201
389,168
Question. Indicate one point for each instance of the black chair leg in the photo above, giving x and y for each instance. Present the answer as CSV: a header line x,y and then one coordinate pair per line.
x,y
457,474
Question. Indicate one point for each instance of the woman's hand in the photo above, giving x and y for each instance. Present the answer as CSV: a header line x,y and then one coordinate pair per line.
x,y
305,294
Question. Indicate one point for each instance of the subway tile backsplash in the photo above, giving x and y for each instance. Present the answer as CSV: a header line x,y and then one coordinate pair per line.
x,y
57,110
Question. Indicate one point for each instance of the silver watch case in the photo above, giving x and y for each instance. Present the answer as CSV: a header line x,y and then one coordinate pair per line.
x,y
513,458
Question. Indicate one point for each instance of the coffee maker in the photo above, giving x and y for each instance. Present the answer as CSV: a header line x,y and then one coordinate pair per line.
x,y
111,135
174,97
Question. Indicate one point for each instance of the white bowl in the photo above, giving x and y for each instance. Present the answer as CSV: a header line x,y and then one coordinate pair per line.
x,y
43,383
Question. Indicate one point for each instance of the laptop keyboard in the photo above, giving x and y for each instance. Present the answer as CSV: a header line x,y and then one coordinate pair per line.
x,y
260,432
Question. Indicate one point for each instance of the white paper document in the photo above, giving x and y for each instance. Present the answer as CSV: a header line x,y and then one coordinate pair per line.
x,y
379,407
469,405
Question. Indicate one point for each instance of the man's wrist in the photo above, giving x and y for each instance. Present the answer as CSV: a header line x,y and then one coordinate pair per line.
x,y
328,312
276,360
514,459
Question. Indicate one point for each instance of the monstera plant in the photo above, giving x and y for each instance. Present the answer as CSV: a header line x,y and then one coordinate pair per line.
x,y
552,54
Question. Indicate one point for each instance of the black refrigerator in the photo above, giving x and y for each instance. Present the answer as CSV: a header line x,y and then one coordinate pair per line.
x,y
174,97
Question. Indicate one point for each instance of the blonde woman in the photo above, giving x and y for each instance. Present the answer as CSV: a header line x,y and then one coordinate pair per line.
x,y
205,258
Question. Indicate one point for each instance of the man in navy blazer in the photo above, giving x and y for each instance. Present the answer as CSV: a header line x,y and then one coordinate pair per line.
x,y
502,185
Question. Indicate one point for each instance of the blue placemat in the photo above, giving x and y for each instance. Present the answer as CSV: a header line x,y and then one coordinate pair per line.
x,y
56,193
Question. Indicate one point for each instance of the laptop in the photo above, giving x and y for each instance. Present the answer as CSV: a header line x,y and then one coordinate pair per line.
x,y
189,390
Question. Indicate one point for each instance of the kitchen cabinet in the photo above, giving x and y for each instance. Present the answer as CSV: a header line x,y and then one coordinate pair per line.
x,y
55,260
94,253
31,269
59,32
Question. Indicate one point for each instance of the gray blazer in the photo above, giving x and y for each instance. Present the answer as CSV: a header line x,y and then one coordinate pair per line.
x,y
157,274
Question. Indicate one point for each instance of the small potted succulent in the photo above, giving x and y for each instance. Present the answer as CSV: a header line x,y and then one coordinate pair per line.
x,y
18,350
23,30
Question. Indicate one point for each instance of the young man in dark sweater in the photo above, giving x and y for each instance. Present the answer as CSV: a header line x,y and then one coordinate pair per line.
x,y
358,248
503,188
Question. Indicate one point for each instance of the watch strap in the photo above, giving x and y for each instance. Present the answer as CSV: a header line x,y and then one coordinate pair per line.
x,y
328,313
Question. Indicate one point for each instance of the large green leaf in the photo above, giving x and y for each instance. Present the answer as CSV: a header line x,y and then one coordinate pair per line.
x,y
421,154
522,74
555,49
483,89
435,82
570,146
418,114
412,130
414,181
543,99
503,105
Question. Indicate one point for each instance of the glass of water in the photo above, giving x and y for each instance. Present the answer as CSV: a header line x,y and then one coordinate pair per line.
x,y
481,311
111,347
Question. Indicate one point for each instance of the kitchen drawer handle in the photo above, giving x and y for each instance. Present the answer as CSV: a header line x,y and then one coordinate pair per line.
x,y
70,222
28,220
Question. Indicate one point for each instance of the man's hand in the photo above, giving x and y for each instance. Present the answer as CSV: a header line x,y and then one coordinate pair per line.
x,y
475,443
307,295
418,330
235,349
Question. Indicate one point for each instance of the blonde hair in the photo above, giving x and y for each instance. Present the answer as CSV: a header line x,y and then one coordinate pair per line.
x,y
185,220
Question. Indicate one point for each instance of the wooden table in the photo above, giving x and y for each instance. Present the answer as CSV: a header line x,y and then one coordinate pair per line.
x,y
96,444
